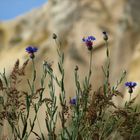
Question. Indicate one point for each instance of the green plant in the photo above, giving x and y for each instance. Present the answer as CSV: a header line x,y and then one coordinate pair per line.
x,y
91,115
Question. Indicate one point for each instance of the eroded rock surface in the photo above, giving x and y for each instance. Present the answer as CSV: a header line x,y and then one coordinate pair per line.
x,y
71,20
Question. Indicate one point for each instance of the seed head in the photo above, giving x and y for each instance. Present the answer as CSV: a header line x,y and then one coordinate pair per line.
x,y
54,36
105,36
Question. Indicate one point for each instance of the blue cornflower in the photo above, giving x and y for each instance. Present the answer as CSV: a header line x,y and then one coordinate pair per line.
x,y
89,41
31,50
73,101
130,85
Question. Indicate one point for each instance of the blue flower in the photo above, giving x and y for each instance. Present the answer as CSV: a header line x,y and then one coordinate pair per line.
x,y
31,49
130,85
73,101
89,38
89,41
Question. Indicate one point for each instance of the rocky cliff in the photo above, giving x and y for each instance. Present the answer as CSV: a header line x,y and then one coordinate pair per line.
x,y
71,20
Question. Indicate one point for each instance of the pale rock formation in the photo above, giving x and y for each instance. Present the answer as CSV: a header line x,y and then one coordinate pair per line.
x,y
71,20
125,53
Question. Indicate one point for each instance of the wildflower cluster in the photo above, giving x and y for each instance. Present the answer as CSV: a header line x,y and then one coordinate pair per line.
x,y
88,115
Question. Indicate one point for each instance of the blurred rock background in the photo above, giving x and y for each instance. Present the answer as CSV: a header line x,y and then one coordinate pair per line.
x,y
71,20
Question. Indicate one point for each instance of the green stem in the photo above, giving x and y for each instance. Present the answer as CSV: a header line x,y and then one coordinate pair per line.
x,y
90,64
34,75
58,43
108,61
130,97
107,75
38,124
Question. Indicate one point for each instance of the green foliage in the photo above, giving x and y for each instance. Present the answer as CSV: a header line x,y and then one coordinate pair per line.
x,y
94,116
